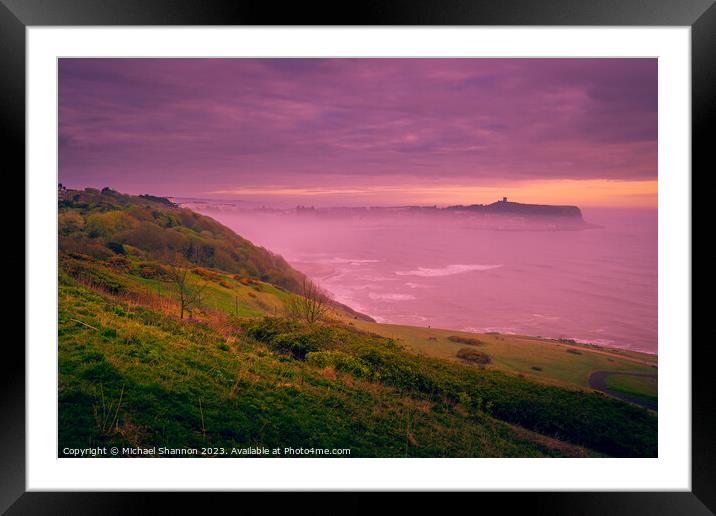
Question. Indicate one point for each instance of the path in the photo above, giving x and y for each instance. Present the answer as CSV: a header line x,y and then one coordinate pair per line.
x,y
598,381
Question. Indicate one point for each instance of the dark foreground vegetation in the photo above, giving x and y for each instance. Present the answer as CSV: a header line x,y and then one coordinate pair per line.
x,y
243,370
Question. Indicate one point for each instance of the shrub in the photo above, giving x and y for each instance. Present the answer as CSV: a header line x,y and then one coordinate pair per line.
x,y
152,270
147,236
290,336
207,274
107,223
472,356
70,221
119,262
95,276
264,330
80,245
340,361
298,345
465,340
116,247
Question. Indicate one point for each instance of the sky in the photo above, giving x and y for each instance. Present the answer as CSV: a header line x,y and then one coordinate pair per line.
x,y
346,132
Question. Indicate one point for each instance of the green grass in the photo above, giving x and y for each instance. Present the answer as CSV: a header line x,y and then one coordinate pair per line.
x,y
638,385
238,299
517,354
583,418
184,384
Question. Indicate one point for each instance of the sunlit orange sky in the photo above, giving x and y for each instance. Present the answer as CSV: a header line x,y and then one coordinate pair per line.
x,y
585,192
363,131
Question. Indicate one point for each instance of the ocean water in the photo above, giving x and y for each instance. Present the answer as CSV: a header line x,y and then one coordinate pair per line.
x,y
596,285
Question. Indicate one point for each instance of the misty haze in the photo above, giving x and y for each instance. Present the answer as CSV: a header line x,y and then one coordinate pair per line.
x,y
594,285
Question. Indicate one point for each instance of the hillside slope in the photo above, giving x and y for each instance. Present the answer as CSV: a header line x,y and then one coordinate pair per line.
x,y
104,223
184,384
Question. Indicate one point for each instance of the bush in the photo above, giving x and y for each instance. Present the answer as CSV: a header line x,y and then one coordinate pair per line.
x,y
290,336
152,270
120,263
95,276
465,340
70,221
107,224
264,330
341,361
298,345
207,274
80,245
116,247
567,341
472,356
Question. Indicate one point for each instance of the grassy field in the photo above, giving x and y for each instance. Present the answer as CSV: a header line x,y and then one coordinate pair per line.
x,y
540,359
645,387
228,294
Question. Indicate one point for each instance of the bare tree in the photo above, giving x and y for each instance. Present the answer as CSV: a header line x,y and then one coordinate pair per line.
x,y
311,305
190,294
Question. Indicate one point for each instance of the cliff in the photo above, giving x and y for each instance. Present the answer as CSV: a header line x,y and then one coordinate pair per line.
x,y
505,207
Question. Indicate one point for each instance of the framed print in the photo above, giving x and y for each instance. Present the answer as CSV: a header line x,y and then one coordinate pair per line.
x,y
430,248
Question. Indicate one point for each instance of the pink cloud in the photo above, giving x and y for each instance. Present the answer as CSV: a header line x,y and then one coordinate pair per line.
x,y
185,126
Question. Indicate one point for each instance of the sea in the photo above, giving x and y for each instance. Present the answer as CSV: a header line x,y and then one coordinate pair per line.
x,y
596,285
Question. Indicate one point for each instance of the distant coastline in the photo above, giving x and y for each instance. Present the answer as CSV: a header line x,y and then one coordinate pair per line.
x,y
501,215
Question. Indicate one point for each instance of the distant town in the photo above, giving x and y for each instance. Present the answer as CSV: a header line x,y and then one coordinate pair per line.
x,y
501,214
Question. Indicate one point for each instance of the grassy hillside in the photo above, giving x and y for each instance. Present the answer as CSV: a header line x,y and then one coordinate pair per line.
x,y
237,373
565,363
187,384
102,224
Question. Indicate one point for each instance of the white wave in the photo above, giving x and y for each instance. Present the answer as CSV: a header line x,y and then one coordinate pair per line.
x,y
546,317
446,271
390,297
490,329
352,261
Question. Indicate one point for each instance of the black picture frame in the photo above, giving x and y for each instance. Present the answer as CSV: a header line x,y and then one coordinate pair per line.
x,y
700,15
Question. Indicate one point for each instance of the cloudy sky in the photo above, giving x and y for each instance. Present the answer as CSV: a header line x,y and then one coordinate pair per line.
x,y
363,131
